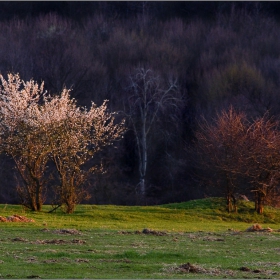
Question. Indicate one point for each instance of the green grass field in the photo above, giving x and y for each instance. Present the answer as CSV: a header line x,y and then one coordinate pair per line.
x,y
109,242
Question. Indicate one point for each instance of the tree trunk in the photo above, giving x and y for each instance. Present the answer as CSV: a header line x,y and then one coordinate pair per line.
x,y
70,208
260,203
229,204
234,203
29,198
39,200
142,186
69,198
143,159
256,202
33,204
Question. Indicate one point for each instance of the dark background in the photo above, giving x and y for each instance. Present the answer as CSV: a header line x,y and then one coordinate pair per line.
x,y
125,9
222,54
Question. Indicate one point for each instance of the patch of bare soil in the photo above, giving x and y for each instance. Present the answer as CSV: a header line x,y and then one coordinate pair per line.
x,y
248,269
259,271
65,260
116,261
59,241
82,261
19,239
153,232
67,231
123,232
197,269
50,261
52,241
190,268
210,238
244,268
234,231
32,260
145,231
257,227
78,241
16,218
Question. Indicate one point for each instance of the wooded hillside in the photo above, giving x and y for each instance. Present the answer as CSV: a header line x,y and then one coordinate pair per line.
x,y
189,59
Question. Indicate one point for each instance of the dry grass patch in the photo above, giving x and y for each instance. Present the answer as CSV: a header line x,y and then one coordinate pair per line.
x,y
16,218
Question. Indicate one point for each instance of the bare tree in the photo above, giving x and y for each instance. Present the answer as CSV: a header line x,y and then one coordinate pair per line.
x,y
147,97
219,146
235,148
263,160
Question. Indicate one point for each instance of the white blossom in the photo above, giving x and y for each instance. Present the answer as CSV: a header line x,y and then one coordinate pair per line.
x,y
36,127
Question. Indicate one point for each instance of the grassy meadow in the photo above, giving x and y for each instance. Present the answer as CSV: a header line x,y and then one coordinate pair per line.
x,y
195,239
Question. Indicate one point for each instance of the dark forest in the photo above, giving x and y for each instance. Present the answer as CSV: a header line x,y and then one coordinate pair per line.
x,y
209,58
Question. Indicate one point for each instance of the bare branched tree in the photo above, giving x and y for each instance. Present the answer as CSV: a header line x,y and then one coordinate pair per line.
x,y
219,146
263,160
146,99
235,148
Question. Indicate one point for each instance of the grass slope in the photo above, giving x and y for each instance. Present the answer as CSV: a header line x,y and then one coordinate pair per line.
x,y
108,242
204,214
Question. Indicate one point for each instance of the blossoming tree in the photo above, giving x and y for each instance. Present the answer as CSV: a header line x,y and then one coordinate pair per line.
x,y
75,134
36,128
22,138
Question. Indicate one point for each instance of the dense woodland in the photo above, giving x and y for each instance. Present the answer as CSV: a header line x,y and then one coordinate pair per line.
x,y
193,60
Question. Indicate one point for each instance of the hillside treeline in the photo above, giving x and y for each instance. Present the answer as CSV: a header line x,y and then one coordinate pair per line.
x,y
228,60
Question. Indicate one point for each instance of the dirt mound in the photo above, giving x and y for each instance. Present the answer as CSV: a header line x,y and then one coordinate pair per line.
x,y
126,232
16,218
213,239
190,268
153,232
257,227
53,241
198,269
67,231
244,268
59,241
19,239
145,231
